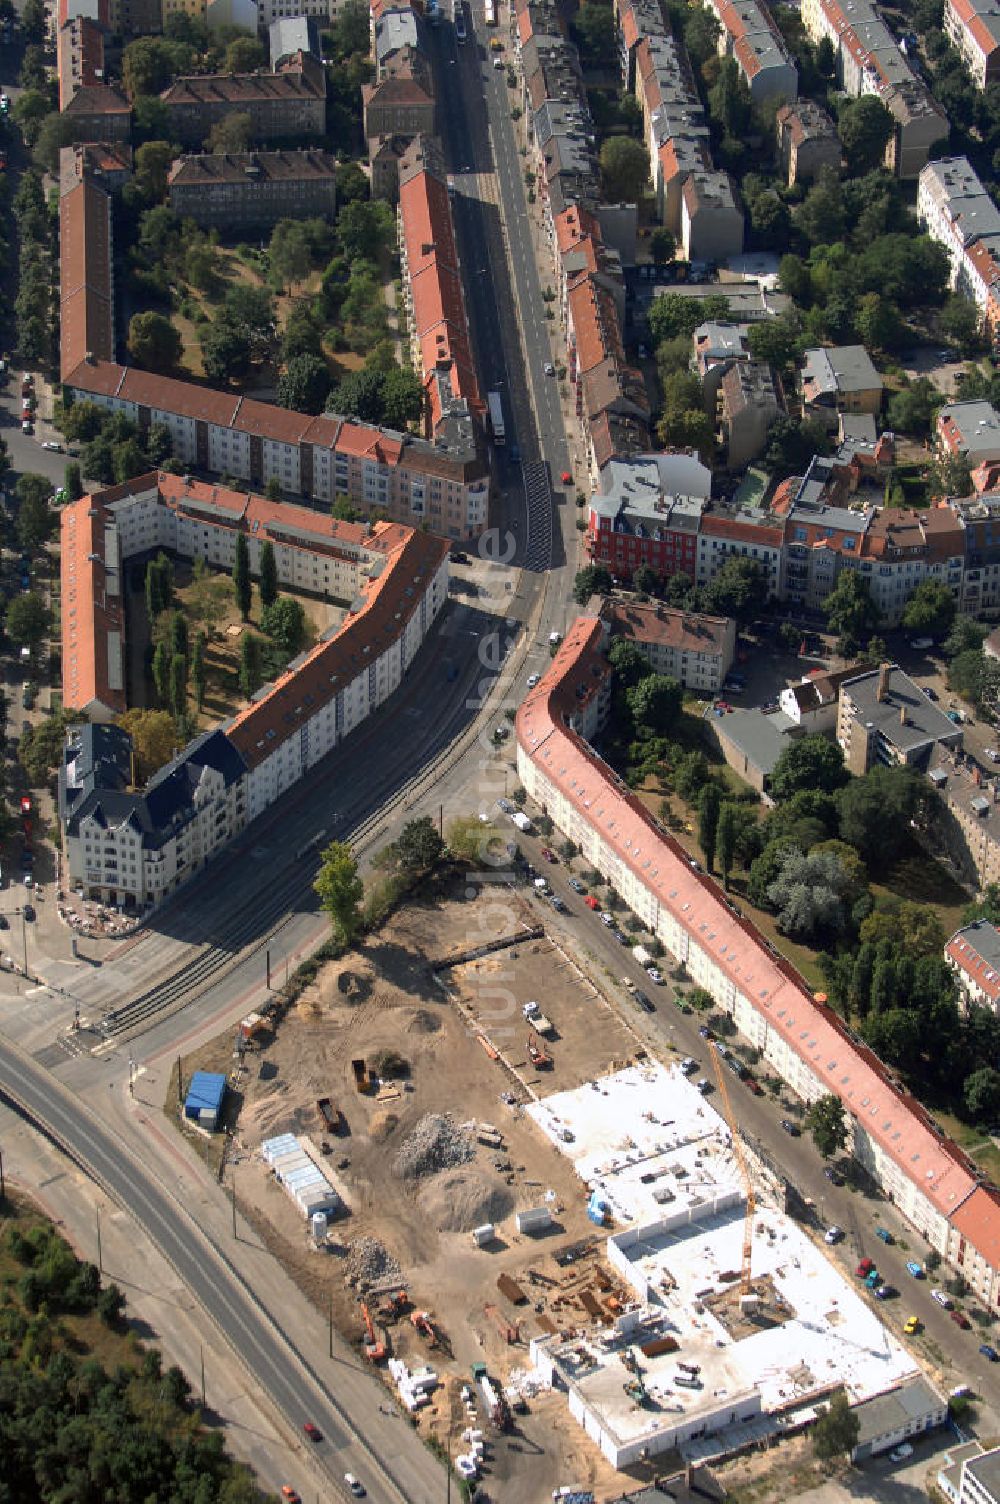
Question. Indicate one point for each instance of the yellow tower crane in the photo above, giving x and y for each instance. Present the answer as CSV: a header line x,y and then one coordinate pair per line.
x,y
744,1171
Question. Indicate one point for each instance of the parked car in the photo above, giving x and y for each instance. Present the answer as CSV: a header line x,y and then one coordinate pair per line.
x,y
942,1299
885,1292
533,679
912,1325
834,1176
28,911
609,920
930,692
921,644
917,1270
864,1268
312,1430
620,937
901,1453
884,1234
655,975
289,1494
704,1086
960,1319
989,1352
689,1065
792,1129
548,856
577,885
644,1002
833,1234
592,902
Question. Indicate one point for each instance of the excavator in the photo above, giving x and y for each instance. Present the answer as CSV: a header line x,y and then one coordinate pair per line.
x,y
422,1321
397,1305
539,1059
375,1349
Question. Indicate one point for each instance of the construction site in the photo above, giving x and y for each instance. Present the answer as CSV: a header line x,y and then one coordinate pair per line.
x,y
737,1326
458,1147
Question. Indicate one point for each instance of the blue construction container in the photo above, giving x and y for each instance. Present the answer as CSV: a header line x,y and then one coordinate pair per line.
x,y
203,1102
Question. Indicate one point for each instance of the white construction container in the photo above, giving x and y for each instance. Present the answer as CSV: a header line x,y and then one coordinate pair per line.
x,y
318,1225
482,1236
536,1219
642,955
521,821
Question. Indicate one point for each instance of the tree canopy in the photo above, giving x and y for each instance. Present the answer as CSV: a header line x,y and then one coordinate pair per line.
x,y
624,170
930,610
340,890
809,763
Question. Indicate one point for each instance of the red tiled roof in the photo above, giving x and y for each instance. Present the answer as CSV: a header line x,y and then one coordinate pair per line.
x,y
968,958
86,320
388,602
977,1220
690,631
742,532
89,612
779,994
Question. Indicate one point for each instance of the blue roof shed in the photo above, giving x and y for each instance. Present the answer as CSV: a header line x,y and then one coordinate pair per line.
x,y
203,1102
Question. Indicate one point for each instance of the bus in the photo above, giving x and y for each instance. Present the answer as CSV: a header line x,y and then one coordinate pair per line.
x,y
490,7
459,24
496,416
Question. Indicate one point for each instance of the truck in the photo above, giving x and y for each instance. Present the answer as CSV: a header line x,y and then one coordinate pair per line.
x,y
537,1018
490,12
333,1118
496,417
642,955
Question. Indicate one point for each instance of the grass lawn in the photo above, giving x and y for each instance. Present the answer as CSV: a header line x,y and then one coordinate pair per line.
x,y
975,1143
209,606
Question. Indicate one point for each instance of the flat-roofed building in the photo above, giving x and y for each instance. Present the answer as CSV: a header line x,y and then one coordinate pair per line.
x,y
883,717
807,141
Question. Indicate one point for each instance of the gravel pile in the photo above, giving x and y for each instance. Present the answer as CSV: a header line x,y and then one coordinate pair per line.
x,y
460,1200
436,1143
368,1261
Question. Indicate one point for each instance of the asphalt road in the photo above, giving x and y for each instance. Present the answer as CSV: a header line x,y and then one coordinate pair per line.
x,y
402,1472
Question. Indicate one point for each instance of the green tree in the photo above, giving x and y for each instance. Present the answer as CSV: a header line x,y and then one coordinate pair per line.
x,y
809,763
198,670
251,311
241,576
808,894
849,608
727,838
662,245
593,579
365,230
913,407
878,323
305,384
729,100
672,315
973,676
874,813
628,661
178,684
792,443
340,890
930,610
153,161
28,620
966,635
865,128
161,671
33,22
419,846
73,481
225,351
775,341
268,574
153,342
285,622
820,216
290,251
709,806
738,589
245,55
594,33
231,133
148,65
402,397
624,170
981,1095
827,1122
35,520
835,1433
55,132
303,331
249,664
655,704
701,35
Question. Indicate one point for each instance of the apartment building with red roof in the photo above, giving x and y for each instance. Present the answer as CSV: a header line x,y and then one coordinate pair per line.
x,y
135,846
801,1039
973,28
98,110
86,284
431,276
973,953
749,35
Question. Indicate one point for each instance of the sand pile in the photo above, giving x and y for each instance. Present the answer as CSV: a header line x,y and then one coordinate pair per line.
x,y
382,1125
460,1200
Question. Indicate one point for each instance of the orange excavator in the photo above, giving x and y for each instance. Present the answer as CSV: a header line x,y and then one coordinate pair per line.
x,y
397,1304
375,1349
539,1059
422,1321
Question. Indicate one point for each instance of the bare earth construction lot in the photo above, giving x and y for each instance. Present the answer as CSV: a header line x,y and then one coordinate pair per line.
x,y
411,991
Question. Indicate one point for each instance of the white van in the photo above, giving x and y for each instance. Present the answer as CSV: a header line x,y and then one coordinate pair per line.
x,y
941,1298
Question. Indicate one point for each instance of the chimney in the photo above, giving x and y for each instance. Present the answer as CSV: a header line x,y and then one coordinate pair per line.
x,y
882,694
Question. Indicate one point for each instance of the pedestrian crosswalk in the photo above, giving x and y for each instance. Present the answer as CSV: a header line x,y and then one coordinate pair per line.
x,y
538,498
